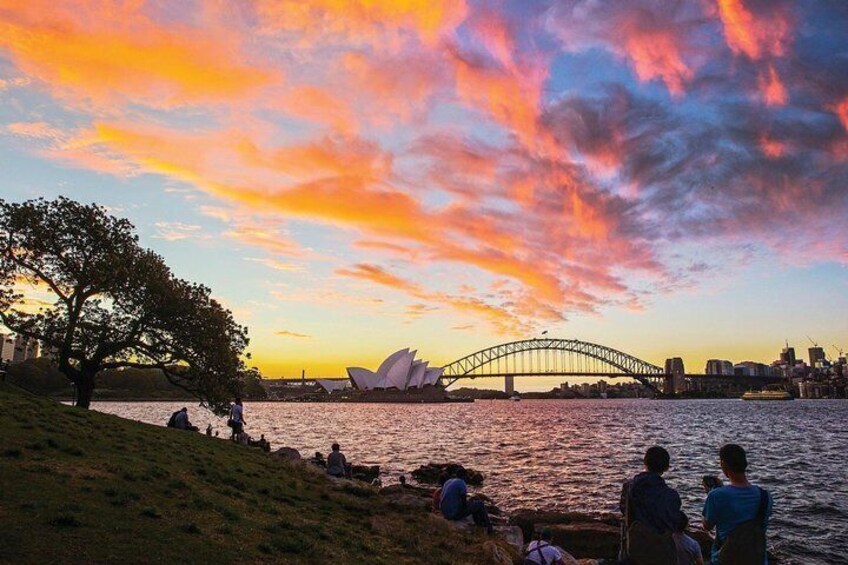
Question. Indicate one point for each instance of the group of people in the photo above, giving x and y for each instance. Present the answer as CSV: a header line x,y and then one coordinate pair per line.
x,y
335,464
235,422
654,526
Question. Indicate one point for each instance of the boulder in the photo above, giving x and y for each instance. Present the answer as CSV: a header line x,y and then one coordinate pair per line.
x,y
408,497
530,520
431,472
289,453
365,473
595,540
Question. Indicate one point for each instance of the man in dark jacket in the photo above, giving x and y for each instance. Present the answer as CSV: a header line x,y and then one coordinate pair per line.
x,y
651,501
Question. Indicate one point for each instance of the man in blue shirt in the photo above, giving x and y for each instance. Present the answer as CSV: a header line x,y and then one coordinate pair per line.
x,y
454,503
730,506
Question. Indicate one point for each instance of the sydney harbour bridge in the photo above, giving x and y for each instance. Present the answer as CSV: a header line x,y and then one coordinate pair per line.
x,y
550,357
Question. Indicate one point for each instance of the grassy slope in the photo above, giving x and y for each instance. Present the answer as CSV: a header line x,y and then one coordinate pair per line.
x,y
82,486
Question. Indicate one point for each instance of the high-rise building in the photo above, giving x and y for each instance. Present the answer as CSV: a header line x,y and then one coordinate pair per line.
x,y
816,355
718,367
509,384
787,356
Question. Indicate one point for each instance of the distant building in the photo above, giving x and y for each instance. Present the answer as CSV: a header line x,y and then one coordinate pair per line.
x,y
509,385
7,347
751,369
400,371
674,367
586,389
816,355
719,367
787,356
24,348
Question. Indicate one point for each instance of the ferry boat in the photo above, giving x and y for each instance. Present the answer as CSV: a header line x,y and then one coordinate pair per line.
x,y
766,395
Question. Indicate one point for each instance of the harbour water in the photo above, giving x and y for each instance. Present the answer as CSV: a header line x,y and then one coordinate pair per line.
x,y
574,454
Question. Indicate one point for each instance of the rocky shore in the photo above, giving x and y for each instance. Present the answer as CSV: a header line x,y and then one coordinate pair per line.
x,y
590,539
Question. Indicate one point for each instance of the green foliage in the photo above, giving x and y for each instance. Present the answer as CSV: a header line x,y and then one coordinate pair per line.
x,y
269,511
115,304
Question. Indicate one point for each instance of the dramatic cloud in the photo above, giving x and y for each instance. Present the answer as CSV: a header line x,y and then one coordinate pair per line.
x,y
516,163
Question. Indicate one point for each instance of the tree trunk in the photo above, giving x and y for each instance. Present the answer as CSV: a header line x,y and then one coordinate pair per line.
x,y
85,388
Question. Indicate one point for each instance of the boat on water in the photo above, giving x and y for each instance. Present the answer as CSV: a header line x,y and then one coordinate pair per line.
x,y
767,394
515,397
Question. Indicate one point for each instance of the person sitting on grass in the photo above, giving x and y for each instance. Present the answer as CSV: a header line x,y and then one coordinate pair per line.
x,y
179,420
336,463
454,503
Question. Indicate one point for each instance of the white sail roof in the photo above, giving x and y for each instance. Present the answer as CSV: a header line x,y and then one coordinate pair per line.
x,y
363,379
398,375
400,370
416,374
431,376
332,385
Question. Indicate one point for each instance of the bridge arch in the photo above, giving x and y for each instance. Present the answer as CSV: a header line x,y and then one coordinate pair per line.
x,y
628,365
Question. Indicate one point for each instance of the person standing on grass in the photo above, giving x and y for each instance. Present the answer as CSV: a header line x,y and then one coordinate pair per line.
x,y
237,420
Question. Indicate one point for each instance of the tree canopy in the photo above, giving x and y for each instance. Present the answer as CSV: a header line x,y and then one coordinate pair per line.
x,y
112,303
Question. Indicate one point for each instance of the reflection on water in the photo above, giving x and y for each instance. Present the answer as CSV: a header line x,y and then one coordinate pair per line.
x,y
574,454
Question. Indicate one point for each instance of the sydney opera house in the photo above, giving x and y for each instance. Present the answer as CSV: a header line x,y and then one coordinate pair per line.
x,y
400,371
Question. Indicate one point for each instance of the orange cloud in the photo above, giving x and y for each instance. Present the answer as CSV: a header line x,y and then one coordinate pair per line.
x,y
428,19
841,110
753,36
74,50
772,88
772,148
656,55
287,333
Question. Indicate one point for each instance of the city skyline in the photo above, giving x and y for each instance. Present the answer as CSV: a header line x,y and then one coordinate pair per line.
x,y
355,178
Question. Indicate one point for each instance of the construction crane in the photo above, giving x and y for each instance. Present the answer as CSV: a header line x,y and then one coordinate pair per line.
x,y
838,349
813,342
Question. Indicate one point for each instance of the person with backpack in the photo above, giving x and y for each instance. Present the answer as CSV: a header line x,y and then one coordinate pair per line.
x,y
650,514
739,512
236,421
542,552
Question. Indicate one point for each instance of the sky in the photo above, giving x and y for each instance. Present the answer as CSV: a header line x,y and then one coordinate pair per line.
x,y
668,178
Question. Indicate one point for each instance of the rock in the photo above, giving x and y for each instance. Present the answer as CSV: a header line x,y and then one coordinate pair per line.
x,y
409,496
431,472
512,535
530,520
704,539
289,453
595,540
365,473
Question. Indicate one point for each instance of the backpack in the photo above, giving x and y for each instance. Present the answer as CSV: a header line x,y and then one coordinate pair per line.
x,y
172,421
640,544
746,544
647,547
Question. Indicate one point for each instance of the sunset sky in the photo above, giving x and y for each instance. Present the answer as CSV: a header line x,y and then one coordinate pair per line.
x,y
353,177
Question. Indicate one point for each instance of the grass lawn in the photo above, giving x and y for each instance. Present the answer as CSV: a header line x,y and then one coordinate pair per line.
x,y
78,486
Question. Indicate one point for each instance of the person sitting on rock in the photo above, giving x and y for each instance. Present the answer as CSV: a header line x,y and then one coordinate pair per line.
x,y
739,512
437,494
651,512
688,550
543,552
454,503
336,463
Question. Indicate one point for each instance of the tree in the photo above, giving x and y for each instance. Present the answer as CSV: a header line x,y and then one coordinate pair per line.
x,y
115,304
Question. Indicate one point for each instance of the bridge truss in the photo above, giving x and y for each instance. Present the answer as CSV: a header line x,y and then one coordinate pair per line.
x,y
553,357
